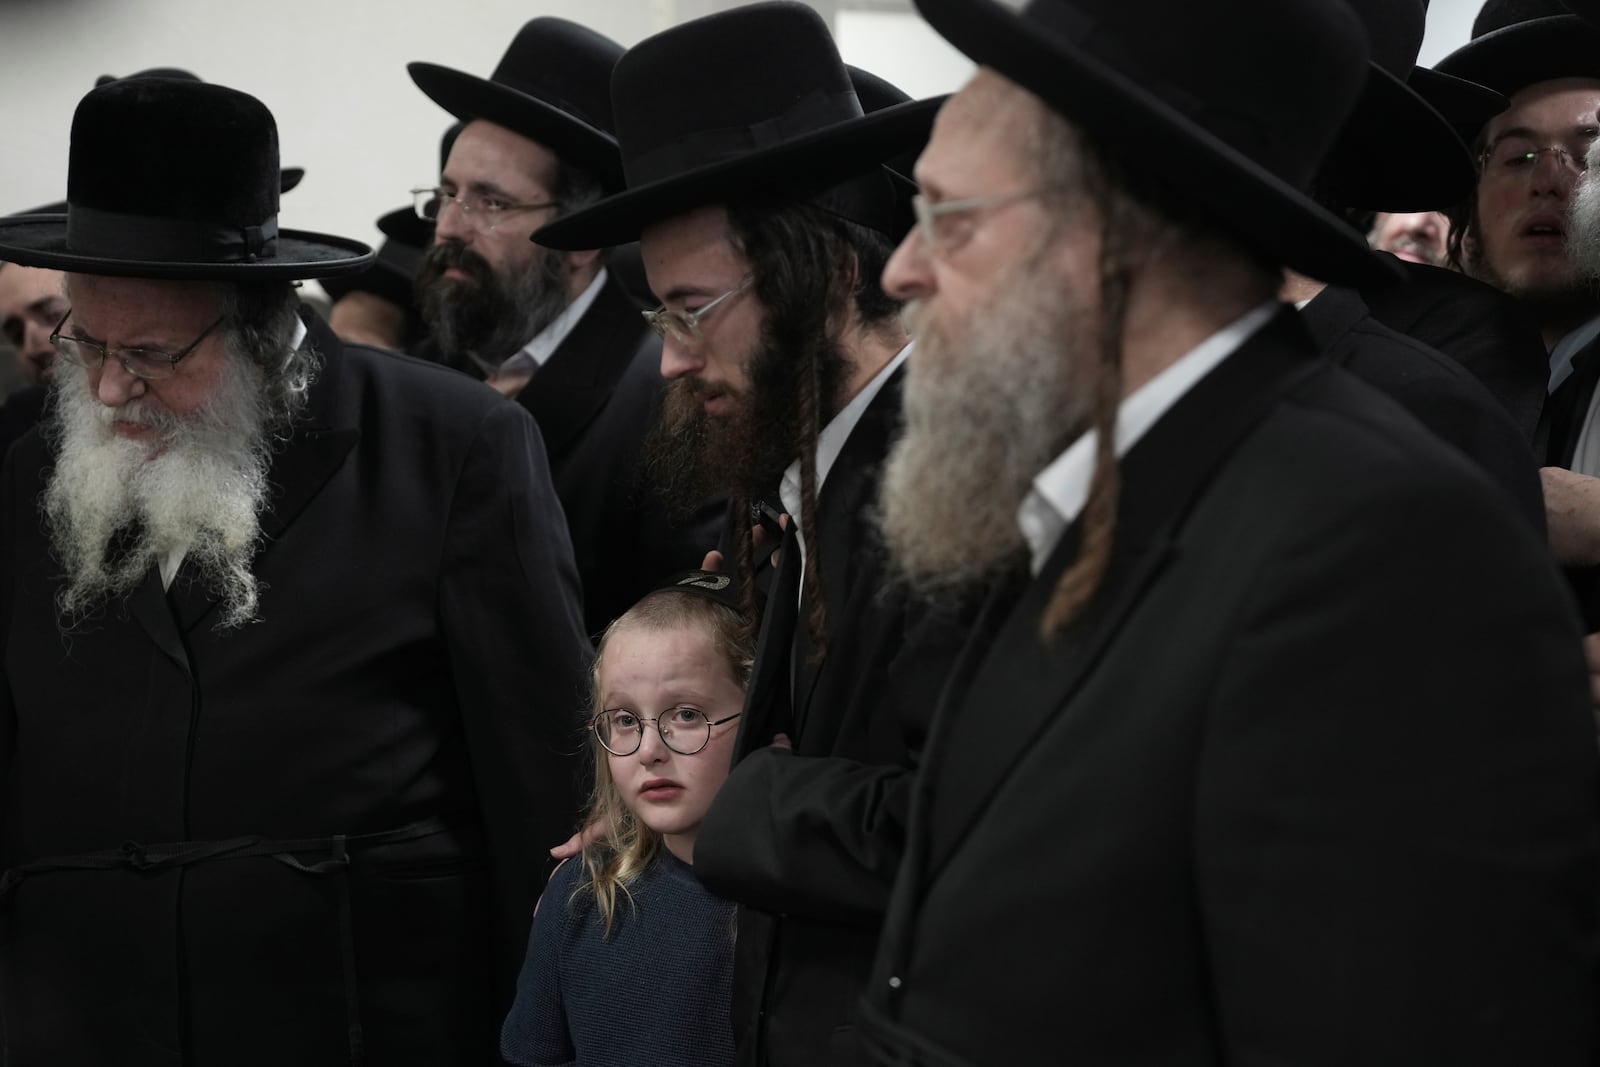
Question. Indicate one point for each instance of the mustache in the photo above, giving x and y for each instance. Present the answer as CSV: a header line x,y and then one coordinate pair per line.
x,y
453,254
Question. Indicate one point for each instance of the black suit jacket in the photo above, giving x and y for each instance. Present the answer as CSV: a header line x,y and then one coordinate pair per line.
x,y
1439,392
595,399
419,663
1488,332
809,840
1312,782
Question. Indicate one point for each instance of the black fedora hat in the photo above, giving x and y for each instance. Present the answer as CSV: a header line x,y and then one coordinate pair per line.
x,y
177,179
1396,151
288,177
1589,10
1243,116
553,86
391,271
769,112
1518,43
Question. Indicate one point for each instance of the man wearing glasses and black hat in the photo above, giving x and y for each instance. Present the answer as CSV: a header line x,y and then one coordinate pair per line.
x,y
1277,751
764,221
292,643
554,329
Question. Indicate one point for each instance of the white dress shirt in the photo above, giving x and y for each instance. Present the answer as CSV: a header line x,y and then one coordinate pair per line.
x,y
1060,490
532,355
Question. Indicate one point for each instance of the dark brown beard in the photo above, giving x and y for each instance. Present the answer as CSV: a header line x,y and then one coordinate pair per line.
x,y
691,457
494,314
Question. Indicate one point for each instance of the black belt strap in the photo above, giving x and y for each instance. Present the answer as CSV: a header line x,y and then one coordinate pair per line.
x,y
155,859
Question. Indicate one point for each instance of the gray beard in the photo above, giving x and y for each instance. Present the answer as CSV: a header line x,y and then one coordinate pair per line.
x,y
114,510
1583,233
491,321
989,403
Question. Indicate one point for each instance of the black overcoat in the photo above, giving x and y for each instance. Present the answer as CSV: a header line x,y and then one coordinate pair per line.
x,y
320,836
1312,782
595,399
1439,392
1490,333
809,840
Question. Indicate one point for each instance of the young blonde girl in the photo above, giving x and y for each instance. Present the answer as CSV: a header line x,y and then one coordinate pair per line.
x,y
630,960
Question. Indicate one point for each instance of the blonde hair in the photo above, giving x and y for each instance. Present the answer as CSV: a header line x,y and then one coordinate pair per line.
x,y
625,847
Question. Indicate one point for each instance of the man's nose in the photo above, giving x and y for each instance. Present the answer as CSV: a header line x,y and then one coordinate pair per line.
x,y
452,223
679,358
908,274
113,385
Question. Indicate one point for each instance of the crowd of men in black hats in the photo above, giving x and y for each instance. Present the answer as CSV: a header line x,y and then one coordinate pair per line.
x,y
1177,618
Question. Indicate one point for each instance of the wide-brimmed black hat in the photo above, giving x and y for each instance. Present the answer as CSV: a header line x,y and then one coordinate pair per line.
x,y
177,179
390,273
553,86
1585,9
288,177
1518,43
745,104
1237,113
1396,151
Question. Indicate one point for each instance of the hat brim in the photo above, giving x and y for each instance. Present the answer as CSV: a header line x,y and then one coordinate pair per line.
x,y
1397,153
41,241
792,170
389,275
1466,105
1514,57
1259,209
469,97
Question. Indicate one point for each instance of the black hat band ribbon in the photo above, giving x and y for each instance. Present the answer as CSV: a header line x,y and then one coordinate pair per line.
x,y
114,235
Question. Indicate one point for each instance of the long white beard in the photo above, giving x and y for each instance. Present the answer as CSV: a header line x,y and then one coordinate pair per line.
x,y
1583,231
989,402
197,485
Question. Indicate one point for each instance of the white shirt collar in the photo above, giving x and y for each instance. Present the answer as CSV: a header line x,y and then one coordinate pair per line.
x,y
532,356
1060,490
1569,346
830,442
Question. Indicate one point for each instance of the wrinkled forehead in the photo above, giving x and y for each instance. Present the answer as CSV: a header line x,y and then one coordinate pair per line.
x,y
983,138
107,306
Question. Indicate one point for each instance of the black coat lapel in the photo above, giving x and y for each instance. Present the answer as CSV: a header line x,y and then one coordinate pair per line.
x,y
1331,315
572,386
148,604
313,452
844,526
767,707
1569,406
1022,686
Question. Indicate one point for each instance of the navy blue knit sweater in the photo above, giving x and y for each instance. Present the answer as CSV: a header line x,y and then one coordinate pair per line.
x,y
656,992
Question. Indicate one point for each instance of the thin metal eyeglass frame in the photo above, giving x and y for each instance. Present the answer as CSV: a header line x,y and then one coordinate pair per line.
x,y
1577,164
155,355
685,325
927,214
594,724
484,219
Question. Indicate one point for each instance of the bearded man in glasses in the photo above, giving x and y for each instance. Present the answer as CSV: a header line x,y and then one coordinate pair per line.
x,y
556,331
292,642
764,220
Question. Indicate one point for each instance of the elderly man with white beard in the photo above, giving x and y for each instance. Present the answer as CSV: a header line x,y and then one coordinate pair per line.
x,y
293,650
1277,750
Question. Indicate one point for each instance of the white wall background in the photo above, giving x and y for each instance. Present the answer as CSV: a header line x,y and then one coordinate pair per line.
x,y
333,73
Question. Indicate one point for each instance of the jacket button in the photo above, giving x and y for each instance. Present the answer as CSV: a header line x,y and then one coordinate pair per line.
x,y
894,983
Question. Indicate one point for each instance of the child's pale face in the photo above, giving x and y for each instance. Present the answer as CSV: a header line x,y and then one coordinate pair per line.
x,y
653,673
